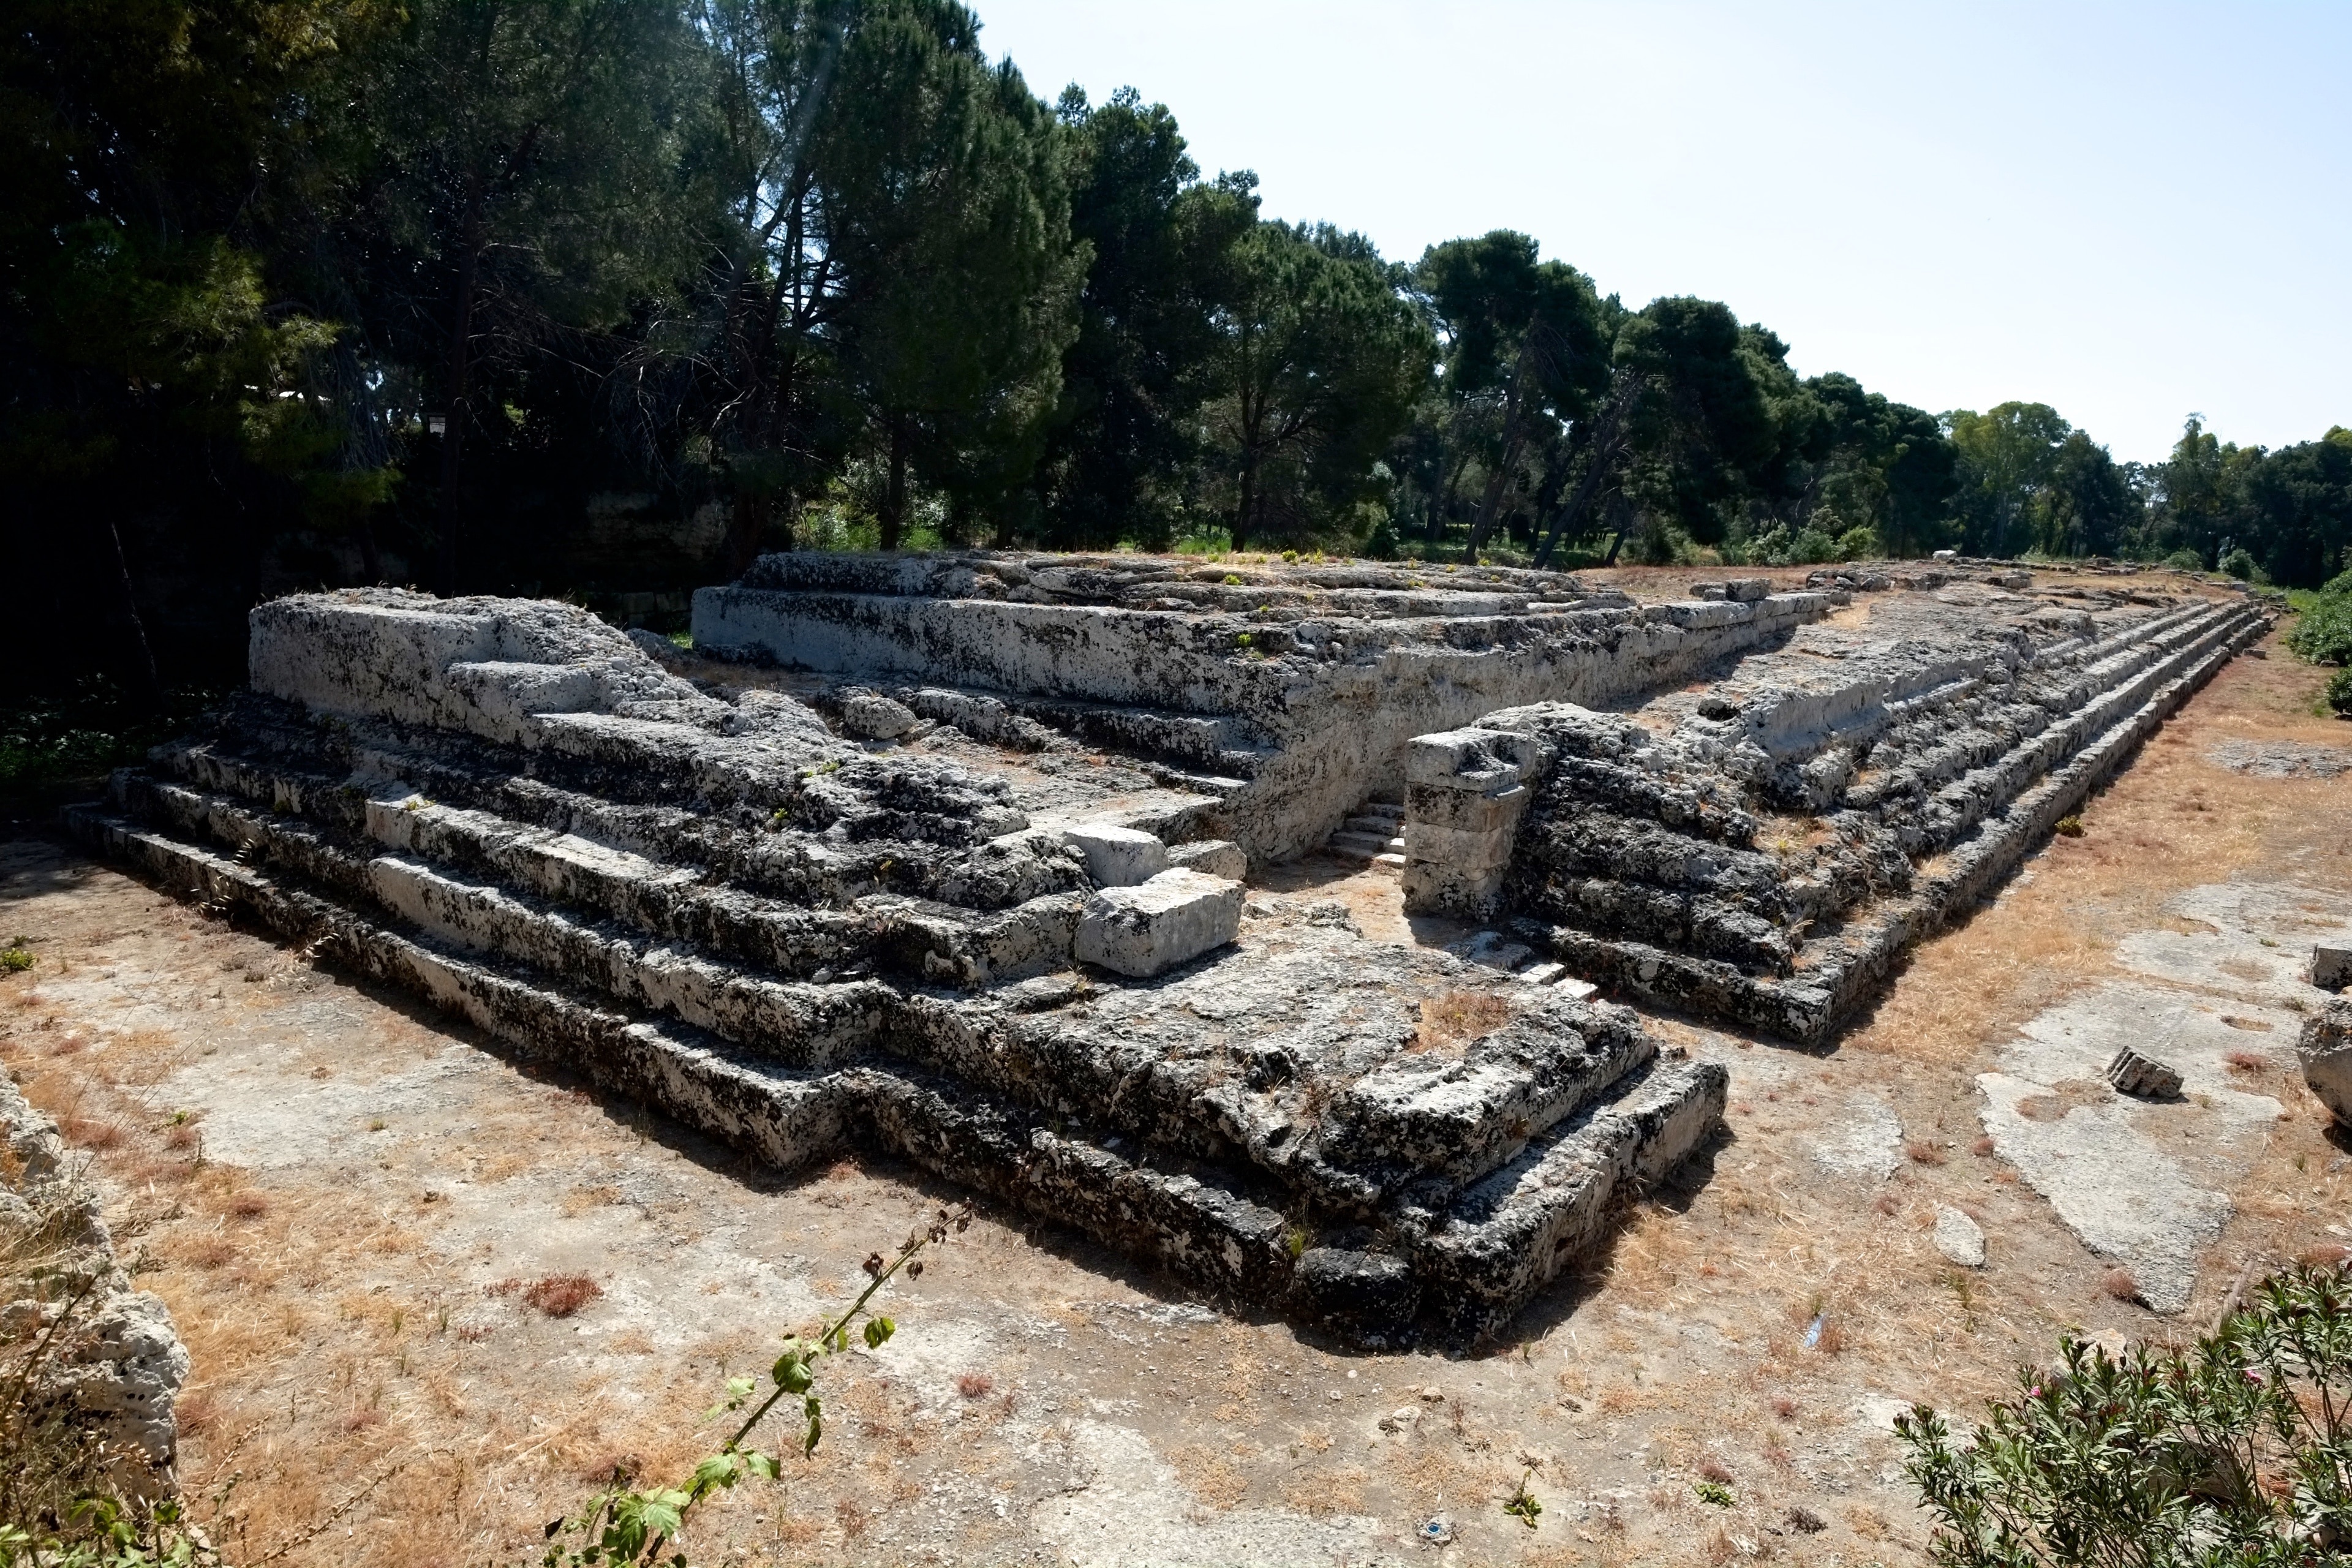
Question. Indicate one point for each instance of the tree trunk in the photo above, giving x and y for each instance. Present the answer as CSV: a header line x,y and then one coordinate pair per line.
x,y
1241,517
461,339
894,494
747,526
150,692
1514,429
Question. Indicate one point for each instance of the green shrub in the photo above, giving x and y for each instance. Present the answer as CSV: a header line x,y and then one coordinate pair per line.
x,y
2237,1451
2323,633
2339,692
1860,545
2184,561
2240,564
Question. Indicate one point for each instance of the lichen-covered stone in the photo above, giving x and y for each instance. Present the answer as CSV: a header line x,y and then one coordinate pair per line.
x,y
118,1364
2325,1050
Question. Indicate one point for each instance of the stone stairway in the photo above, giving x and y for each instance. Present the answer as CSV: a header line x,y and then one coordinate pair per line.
x,y
1373,833
795,943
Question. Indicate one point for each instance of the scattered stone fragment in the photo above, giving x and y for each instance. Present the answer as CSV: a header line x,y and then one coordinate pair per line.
x,y
2324,1049
870,716
2142,1077
1152,927
1959,1238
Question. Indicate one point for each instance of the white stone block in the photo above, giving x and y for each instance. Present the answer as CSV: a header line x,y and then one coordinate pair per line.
x,y
1146,929
1211,857
1117,856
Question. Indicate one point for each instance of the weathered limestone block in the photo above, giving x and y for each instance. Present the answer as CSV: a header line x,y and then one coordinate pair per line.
x,y
870,716
2331,967
1150,928
1466,792
2324,1049
2142,1077
121,1364
1117,856
1211,857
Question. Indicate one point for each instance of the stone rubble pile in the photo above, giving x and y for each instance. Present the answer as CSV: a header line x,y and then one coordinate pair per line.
x,y
797,935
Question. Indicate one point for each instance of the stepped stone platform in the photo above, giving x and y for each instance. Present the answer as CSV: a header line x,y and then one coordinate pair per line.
x,y
950,855
1285,693
801,921
1761,847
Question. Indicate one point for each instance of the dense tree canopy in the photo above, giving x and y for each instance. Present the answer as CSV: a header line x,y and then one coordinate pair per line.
x,y
607,296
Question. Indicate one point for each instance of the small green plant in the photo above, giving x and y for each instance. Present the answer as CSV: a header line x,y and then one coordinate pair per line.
x,y
1715,1494
2340,693
2070,828
1522,1504
629,1526
1230,580
2236,1451
17,958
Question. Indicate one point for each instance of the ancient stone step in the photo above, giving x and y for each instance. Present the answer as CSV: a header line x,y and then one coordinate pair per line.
x,y
1635,854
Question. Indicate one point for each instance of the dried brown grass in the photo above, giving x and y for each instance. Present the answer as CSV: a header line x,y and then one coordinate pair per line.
x,y
1453,1019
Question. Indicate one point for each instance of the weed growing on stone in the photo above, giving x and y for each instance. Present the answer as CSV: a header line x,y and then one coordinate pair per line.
x,y
1522,1504
2236,1450
624,1525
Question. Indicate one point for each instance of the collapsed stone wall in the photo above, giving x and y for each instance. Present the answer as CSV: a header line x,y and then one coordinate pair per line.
x,y
1762,847
1287,693
798,934
113,1361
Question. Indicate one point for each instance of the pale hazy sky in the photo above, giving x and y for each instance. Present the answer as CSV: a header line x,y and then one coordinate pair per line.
x,y
2128,212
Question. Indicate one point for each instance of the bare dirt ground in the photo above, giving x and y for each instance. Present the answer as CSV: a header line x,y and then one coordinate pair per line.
x,y
347,1204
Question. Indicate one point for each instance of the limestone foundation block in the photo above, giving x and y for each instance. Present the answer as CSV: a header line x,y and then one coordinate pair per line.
x,y
1117,856
2331,967
2325,1050
1211,857
1150,928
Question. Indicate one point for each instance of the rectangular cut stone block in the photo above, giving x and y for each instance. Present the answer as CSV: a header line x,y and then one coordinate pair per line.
x,y
2331,967
1117,856
1150,929
1473,759
1466,811
1211,857
1454,846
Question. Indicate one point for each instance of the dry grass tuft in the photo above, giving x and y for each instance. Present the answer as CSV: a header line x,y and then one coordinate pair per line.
x,y
2248,1061
90,1133
249,1205
1924,1154
975,1384
1982,1147
2119,1284
1454,1019
561,1295
1715,1470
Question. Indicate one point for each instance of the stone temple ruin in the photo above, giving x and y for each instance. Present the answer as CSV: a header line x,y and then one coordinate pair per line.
x,y
950,861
